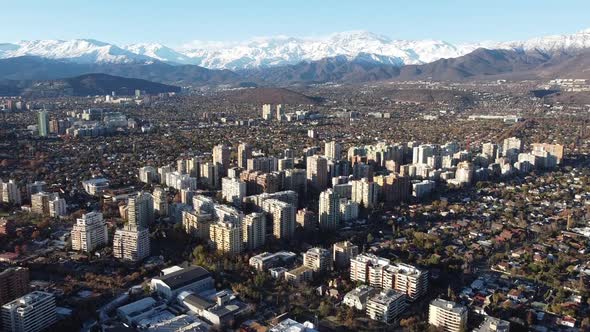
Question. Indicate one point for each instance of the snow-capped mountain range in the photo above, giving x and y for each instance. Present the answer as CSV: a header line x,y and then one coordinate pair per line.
x,y
276,51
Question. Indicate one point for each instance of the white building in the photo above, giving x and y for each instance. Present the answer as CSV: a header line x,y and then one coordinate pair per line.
x,y
266,260
332,150
254,230
95,186
233,190
194,278
140,209
358,297
89,232
386,306
493,324
148,174
10,192
349,210
33,312
329,210
131,243
448,315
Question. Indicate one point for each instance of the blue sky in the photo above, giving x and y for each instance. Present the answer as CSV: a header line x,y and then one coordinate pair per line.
x,y
175,22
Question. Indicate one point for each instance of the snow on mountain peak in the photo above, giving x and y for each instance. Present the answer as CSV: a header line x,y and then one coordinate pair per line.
x,y
282,50
75,50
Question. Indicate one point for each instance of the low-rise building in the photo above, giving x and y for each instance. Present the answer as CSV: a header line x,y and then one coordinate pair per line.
x,y
194,278
357,298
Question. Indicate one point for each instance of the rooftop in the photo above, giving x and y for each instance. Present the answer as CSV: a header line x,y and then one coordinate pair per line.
x,y
184,277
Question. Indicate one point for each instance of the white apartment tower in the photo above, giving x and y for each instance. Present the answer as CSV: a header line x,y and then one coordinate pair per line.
x,y
33,312
329,210
254,230
140,209
233,190
131,243
89,232
447,315
332,150
9,192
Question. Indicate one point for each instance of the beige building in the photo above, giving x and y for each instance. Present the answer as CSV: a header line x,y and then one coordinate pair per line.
x,y
365,193
283,218
318,259
227,236
197,224
332,150
244,153
447,315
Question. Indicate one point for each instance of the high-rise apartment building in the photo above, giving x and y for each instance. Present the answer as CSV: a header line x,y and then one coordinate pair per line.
x,y
283,218
10,192
227,236
89,232
317,172
343,252
221,157
329,210
131,243
48,204
318,259
244,153
233,190
160,201
197,224
365,193
332,150
447,315
140,209
148,174
33,312
43,123
267,112
306,219
386,306
254,230
14,283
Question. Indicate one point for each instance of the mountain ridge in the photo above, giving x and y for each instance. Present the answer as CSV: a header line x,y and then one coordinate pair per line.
x,y
281,51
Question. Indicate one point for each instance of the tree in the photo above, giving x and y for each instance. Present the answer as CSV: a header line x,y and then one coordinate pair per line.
x,y
325,309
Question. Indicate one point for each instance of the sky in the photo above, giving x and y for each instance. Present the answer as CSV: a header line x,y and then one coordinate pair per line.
x,y
177,22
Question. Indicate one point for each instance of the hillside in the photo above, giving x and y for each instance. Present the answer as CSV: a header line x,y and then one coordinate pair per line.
x,y
268,96
84,85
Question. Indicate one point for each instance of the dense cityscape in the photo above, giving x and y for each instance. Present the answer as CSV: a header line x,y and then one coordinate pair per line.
x,y
262,166
343,214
